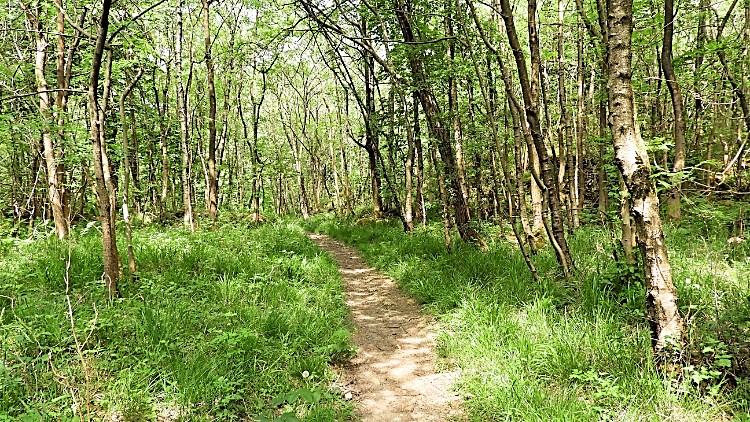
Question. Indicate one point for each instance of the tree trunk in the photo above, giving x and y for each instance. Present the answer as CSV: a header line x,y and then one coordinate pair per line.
x,y
630,151
440,133
126,173
408,171
213,176
182,109
110,255
52,157
421,213
453,105
136,163
443,197
565,121
372,143
580,132
530,91
673,198
163,133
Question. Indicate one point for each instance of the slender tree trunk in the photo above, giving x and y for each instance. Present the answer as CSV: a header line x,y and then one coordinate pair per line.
x,y
347,183
135,164
182,107
213,176
126,173
110,255
408,172
421,213
530,91
163,136
336,178
453,105
537,208
565,121
440,133
372,142
580,132
520,134
511,198
632,159
673,198
443,197
52,157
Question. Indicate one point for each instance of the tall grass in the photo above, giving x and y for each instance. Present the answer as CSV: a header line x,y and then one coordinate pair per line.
x,y
562,350
227,323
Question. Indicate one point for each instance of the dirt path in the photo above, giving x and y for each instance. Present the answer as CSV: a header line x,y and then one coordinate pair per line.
x,y
393,377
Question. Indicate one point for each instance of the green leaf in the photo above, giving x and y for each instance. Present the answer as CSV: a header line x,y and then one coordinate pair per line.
x,y
306,395
287,417
724,363
279,399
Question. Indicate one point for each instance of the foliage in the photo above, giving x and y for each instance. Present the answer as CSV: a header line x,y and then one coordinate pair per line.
x,y
565,350
215,326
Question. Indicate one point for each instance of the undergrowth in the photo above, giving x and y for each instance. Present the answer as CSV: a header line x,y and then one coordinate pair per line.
x,y
574,349
228,323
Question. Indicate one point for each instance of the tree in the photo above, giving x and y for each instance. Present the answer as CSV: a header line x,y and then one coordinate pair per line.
x,y
667,328
673,200
104,188
53,155
438,130
547,180
213,173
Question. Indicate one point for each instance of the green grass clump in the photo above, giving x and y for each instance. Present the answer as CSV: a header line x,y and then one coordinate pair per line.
x,y
227,323
559,349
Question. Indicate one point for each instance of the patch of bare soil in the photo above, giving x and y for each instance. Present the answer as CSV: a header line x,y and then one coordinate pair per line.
x,y
392,378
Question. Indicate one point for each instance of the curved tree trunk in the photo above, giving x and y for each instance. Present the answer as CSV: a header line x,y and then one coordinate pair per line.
x,y
53,161
529,89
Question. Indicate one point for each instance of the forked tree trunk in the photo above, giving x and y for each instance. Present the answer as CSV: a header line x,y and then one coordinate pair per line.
x,y
632,159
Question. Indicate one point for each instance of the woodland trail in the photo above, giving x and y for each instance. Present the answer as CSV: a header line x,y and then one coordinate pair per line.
x,y
392,378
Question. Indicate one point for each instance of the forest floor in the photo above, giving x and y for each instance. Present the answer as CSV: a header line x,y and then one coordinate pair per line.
x,y
392,377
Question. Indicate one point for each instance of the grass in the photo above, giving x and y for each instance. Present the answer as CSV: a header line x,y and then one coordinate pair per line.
x,y
579,349
227,323
237,322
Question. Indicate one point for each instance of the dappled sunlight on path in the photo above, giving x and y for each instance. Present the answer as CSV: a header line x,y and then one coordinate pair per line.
x,y
393,376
